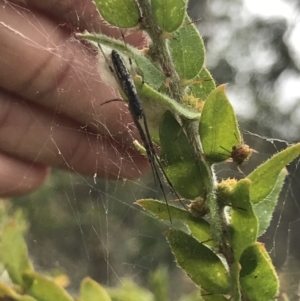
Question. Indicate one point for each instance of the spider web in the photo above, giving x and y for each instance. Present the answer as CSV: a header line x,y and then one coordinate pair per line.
x,y
89,226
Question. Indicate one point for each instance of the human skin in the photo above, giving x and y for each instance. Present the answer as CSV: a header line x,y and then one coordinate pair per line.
x,y
51,95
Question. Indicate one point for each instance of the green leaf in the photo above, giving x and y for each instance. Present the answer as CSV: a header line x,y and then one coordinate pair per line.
x,y
14,253
10,294
179,159
202,90
156,104
200,263
130,291
90,290
124,14
149,72
214,298
159,282
26,298
188,52
200,229
169,14
43,288
243,220
264,209
160,210
198,226
264,177
7,291
162,101
218,126
257,277
194,296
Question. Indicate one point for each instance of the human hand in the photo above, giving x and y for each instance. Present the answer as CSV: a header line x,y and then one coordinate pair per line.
x,y
51,95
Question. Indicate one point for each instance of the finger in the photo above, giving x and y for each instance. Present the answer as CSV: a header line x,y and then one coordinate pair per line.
x,y
18,177
81,15
39,62
34,134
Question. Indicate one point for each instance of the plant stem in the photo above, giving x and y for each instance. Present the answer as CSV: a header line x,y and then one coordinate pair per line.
x,y
162,53
160,49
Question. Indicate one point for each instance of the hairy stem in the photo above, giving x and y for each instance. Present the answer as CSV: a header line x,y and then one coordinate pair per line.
x,y
160,49
162,53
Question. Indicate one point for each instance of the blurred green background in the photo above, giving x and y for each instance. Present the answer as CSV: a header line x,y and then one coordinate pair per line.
x,y
87,227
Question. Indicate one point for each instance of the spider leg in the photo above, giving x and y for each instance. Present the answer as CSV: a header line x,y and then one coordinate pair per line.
x,y
152,158
111,100
148,150
154,154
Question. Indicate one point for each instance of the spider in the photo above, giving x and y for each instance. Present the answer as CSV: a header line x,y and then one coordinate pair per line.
x,y
137,112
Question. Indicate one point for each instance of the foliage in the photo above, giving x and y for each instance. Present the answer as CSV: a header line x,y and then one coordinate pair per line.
x,y
238,211
26,284
194,123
